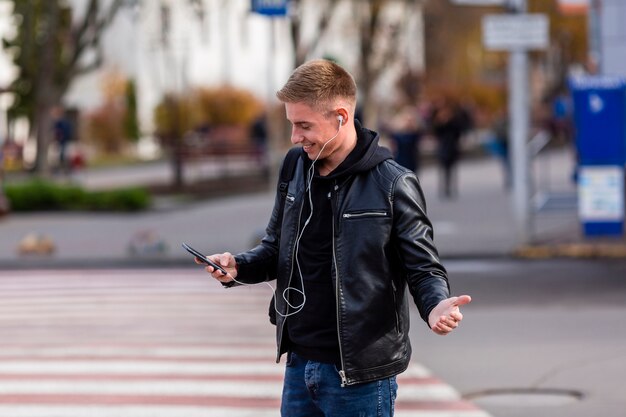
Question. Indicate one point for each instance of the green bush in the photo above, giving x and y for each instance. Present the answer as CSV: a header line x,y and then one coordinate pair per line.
x,y
130,199
40,195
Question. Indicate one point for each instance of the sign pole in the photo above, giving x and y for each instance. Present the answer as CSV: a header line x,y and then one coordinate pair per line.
x,y
518,134
519,116
272,9
517,32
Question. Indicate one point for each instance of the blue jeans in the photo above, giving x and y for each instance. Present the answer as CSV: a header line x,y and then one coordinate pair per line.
x,y
313,389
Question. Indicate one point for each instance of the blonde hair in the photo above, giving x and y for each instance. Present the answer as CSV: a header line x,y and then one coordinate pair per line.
x,y
320,84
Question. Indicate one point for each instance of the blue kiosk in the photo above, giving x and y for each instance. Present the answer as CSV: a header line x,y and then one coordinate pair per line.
x,y
600,120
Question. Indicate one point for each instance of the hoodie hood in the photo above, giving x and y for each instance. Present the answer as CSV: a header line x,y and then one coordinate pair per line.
x,y
366,154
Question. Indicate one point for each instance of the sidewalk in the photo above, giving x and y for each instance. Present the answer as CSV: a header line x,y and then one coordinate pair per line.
x,y
478,223
481,222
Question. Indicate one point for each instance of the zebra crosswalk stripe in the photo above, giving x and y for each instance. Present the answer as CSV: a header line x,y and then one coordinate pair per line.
x,y
155,343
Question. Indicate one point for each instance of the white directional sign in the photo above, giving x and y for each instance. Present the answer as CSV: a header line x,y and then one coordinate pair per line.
x,y
506,32
601,193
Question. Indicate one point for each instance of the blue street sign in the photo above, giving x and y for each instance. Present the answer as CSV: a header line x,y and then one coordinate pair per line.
x,y
600,119
270,7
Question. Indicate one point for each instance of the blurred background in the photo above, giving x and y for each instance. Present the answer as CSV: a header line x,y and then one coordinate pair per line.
x,y
130,106
128,127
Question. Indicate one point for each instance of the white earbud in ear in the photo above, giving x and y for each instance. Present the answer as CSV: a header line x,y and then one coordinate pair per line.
x,y
340,118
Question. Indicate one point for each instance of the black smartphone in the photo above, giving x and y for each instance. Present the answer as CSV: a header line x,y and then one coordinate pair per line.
x,y
203,258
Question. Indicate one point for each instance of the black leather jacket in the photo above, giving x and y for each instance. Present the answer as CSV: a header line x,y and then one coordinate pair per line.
x,y
383,244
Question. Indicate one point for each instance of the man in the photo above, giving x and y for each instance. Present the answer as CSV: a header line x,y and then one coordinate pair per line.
x,y
351,237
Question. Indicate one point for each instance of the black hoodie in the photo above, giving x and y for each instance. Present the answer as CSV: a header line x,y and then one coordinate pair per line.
x,y
312,332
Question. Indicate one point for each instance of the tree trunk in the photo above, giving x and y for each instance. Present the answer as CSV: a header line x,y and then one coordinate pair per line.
x,y
176,142
43,132
46,96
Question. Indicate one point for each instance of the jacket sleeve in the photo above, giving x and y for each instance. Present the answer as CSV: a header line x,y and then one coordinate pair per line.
x,y
260,263
426,276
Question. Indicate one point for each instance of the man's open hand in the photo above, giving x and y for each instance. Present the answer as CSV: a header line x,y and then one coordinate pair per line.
x,y
446,316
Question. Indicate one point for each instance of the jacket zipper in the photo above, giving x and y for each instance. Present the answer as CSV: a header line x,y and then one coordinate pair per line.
x,y
365,214
282,325
395,306
342,372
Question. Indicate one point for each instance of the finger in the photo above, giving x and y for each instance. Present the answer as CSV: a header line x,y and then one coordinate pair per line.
x,y
220,272
450,323
456,316
216,273
224,278
442,329
462,300
219,275
224,259
447,321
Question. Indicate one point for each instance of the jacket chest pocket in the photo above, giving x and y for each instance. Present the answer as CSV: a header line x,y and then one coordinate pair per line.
x,y
364,214
368,225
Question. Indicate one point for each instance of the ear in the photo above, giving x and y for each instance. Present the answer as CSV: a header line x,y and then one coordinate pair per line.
x,y
342,116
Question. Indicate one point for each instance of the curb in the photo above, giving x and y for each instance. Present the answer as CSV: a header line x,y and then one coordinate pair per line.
x,y
41,262
572,250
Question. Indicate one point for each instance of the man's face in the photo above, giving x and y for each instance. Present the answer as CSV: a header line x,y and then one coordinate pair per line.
x,y
311,129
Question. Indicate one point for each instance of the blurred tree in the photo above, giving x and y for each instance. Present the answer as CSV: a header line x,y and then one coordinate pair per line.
x,y
568,42
113,125
454,53
131,121
377,38
304,47
378,45
105,128
174,116
226,105
178,119
203,110
51,47
457,64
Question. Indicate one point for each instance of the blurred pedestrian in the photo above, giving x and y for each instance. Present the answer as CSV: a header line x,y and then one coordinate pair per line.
x,y
561,123
344,242
405,133
259,134
62,129
449,122
498,145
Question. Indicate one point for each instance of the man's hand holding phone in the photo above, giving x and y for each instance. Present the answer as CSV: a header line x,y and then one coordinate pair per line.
x,y
221,266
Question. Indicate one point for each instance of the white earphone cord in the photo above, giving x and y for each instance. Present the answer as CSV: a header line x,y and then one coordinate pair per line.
x,y
298,307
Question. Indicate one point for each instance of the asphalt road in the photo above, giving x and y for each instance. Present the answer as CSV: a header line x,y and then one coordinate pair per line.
x,y
541,338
